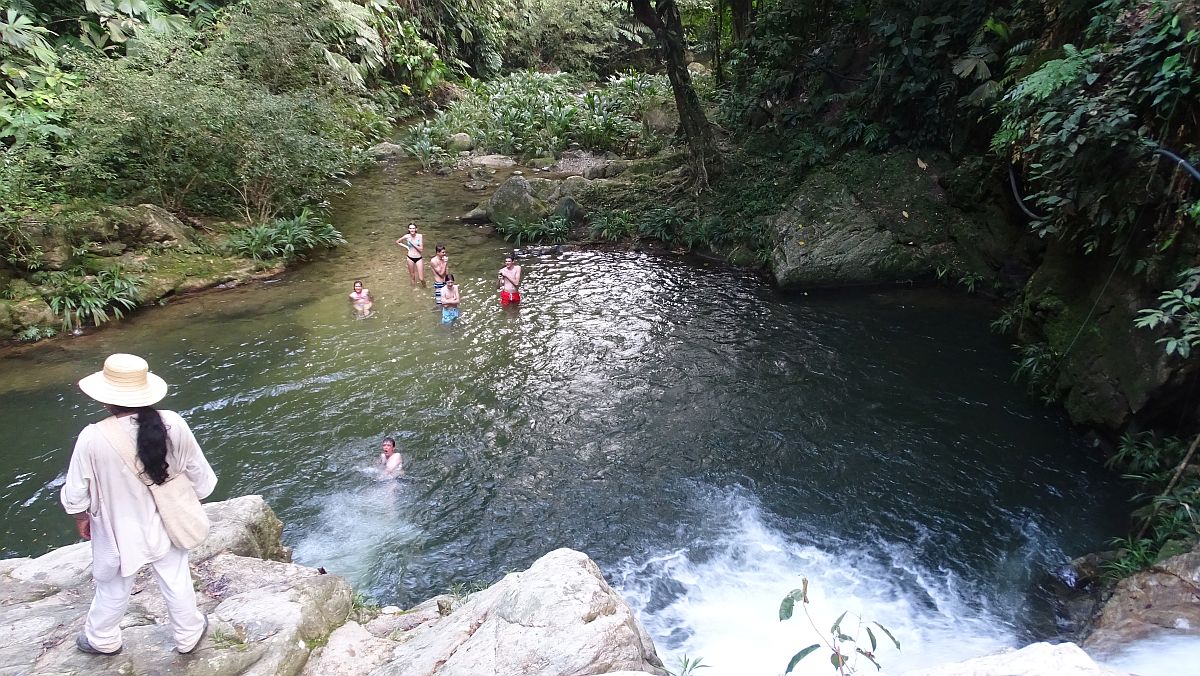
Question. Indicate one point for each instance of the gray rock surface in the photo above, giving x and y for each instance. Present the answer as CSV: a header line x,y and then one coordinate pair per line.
x,y
264,614
515,199
558,617
386,151
149,224
270,617
493,161
461,141
1162,600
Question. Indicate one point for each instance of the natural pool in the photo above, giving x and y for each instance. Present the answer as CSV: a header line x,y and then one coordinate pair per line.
x,y
705,438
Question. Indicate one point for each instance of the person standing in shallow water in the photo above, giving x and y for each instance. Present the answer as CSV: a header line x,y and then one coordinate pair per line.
x,y
390,457
414,244
450,299
440,264
114,509
509,282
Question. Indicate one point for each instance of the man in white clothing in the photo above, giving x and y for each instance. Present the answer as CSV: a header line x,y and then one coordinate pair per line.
x,y
114,509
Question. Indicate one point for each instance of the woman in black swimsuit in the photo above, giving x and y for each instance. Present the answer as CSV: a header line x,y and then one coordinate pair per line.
x,y
415,244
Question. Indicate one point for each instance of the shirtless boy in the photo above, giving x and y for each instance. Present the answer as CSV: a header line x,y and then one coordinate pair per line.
x,y
509,282
391,458
441,265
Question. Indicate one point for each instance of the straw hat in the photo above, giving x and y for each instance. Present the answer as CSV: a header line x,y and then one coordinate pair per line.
x,y
125,381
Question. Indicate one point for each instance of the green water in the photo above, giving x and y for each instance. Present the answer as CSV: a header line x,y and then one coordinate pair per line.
x,y
703,437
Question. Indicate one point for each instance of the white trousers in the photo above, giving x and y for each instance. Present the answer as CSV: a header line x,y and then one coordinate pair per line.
x,y
103,626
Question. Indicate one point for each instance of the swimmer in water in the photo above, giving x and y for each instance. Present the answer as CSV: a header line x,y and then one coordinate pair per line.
x,y
390,458
361,298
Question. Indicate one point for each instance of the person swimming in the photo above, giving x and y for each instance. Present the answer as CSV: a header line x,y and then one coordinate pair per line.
x,y
361,299
390,458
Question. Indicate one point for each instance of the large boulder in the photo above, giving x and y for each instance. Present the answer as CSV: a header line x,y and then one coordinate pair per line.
x,y
148,224
265,616
558,617
868,220
1161,600
515,199
1038,659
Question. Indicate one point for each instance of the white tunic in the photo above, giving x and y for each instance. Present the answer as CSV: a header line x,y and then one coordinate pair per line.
x,y
100,483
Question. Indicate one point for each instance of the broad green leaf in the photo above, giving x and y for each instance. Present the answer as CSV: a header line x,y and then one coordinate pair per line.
x,y
889,634
799,656
837,625
837,660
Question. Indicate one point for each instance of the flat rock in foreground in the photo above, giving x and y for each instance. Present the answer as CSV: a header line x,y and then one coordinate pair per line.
x,y
270,617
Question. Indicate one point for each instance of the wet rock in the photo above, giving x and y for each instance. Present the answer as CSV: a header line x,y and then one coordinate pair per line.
x,y
461,141
1163,599
477,186
477,215
541,162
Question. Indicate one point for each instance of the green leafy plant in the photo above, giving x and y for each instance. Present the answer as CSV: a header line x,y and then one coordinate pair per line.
x,y
363,608
1037,365
32,334
844,649
613,226
552,230
688,666
286,238
1178,308
80,299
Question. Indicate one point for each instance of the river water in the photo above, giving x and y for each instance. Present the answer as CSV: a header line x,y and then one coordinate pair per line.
x,y
706,439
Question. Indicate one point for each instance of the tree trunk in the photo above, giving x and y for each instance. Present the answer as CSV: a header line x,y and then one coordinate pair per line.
x,y
663,20
742,11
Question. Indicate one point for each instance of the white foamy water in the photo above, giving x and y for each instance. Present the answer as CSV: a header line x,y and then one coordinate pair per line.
x,y
720,602
1174,655
361,530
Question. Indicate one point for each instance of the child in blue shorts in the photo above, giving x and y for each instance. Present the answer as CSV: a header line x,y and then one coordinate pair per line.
x,y
450,310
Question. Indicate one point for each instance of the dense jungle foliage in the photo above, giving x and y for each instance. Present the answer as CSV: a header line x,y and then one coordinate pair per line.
x,y
255,111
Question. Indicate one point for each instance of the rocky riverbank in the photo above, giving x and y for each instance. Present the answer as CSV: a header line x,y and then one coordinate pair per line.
x,y
270,617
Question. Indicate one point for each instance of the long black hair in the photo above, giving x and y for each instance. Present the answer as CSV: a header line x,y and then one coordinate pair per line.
x,y
151,442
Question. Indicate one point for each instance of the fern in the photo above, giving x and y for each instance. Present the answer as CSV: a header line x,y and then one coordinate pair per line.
x,y
1052,76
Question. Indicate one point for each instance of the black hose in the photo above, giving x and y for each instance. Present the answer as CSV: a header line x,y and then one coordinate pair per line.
x,y
1012,182
1012,179
1180,161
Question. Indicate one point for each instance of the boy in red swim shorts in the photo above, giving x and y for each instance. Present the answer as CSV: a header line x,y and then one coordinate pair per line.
x,y
509,282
